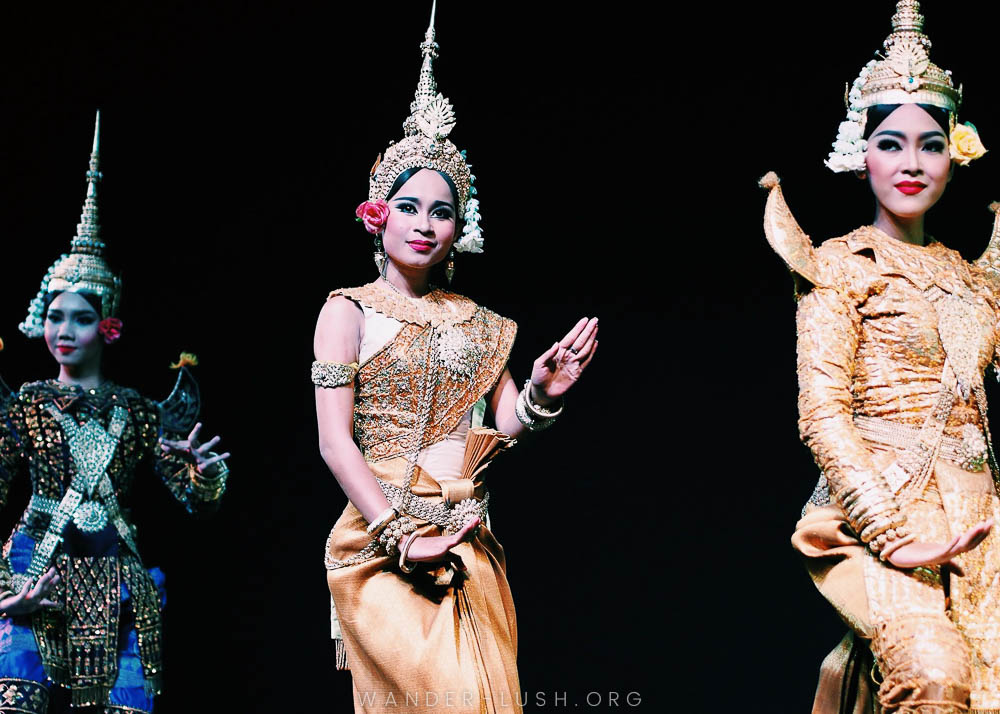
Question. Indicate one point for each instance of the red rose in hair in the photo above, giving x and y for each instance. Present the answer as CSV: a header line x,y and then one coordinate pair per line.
x,y
111,329
373,215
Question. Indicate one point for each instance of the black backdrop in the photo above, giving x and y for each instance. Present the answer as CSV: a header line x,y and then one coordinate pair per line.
x,y
236,143
617,151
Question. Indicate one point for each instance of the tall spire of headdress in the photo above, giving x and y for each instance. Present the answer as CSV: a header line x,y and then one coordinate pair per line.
x,y
88,230
426,85
425,145
83,269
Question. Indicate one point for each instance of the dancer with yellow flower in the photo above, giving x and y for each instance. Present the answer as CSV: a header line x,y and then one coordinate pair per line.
x,y
895,333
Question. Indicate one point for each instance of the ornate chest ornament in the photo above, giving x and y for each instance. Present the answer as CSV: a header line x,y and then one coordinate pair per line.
x,y
92,447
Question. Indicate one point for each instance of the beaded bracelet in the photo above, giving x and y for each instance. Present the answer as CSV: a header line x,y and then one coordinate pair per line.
x,y
526,417
390,535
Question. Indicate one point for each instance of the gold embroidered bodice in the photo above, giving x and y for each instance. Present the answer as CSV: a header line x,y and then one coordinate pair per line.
x,y
449,353
872,342
34,444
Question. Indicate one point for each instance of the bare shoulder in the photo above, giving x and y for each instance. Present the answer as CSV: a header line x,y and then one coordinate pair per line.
x,y
338,329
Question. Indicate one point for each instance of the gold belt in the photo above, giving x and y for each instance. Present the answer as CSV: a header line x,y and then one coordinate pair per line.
x,y
450,518
968,451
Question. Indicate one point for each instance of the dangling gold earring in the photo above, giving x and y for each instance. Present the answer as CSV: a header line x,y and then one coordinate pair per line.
x,y
379,255
449,267
861,174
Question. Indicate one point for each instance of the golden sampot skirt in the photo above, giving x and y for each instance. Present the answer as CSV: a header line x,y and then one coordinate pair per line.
x,y
437,639
935,641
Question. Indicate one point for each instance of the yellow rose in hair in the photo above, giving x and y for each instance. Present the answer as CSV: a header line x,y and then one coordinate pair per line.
x,y
965,144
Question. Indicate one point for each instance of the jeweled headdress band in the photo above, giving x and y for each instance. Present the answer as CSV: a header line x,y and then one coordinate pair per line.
x,y
83,269
903,75
425,144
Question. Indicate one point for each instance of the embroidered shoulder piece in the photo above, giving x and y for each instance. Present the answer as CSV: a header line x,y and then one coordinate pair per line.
x,y
333,374
179,411
788,240
65,395
437,308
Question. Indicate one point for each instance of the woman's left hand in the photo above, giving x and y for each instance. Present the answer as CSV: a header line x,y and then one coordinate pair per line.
x,y
562,364
191,450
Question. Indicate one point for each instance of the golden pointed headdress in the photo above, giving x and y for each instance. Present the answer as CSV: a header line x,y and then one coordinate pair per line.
x,y
906,75
903,75
83,269
425,143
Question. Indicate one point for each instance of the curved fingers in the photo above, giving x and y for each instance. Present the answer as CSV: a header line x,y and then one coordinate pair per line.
x,y
214,459
193,436
586,335
207,446
571,336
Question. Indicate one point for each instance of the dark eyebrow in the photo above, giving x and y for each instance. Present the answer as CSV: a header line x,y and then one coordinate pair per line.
x,y
443,203
901,135
407,198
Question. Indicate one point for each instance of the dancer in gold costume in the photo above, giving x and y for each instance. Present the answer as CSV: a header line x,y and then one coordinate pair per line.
x,y
77,606
895,332
423,615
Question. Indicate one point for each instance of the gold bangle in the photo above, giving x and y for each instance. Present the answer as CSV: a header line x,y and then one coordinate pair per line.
x,y
404,550
382,520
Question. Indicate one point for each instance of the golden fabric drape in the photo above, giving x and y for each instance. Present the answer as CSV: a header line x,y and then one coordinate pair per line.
x,y
878,342
437,638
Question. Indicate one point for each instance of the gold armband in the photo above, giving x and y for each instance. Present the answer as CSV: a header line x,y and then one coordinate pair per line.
x,y
333,374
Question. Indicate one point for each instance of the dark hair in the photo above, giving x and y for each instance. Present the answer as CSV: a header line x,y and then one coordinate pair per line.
x,y
92,298
877,114
408,174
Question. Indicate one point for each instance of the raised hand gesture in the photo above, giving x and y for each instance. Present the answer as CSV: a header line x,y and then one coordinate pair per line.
x,y
563,363
194,452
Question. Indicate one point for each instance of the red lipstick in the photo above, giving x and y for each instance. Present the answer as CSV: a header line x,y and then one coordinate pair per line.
x,y
910,188
421,246
65,349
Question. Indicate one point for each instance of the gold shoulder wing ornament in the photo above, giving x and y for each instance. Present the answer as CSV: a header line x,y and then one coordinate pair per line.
x,y
787,238
990,259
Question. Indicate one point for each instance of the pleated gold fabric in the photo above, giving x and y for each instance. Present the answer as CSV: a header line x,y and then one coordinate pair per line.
x,y
437,639
881,342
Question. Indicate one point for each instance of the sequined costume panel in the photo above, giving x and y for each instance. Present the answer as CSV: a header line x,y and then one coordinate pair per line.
x,y
439,636
468,349
872,349
95,567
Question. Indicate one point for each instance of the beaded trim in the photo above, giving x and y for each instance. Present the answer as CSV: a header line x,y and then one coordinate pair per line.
x,y
436,308
450,519
333,374
969,451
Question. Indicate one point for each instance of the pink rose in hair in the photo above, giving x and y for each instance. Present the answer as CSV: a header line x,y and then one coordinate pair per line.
x,y
111,329
373,215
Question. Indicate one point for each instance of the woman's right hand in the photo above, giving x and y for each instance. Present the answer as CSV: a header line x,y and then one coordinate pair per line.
x,y
915,554
31,598
433,548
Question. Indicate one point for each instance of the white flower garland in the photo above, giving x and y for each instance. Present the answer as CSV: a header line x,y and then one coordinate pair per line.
x,y
472,235
849,149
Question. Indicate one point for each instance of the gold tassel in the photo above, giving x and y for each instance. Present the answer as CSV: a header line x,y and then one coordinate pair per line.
x,y
187,359
89,696
341,654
